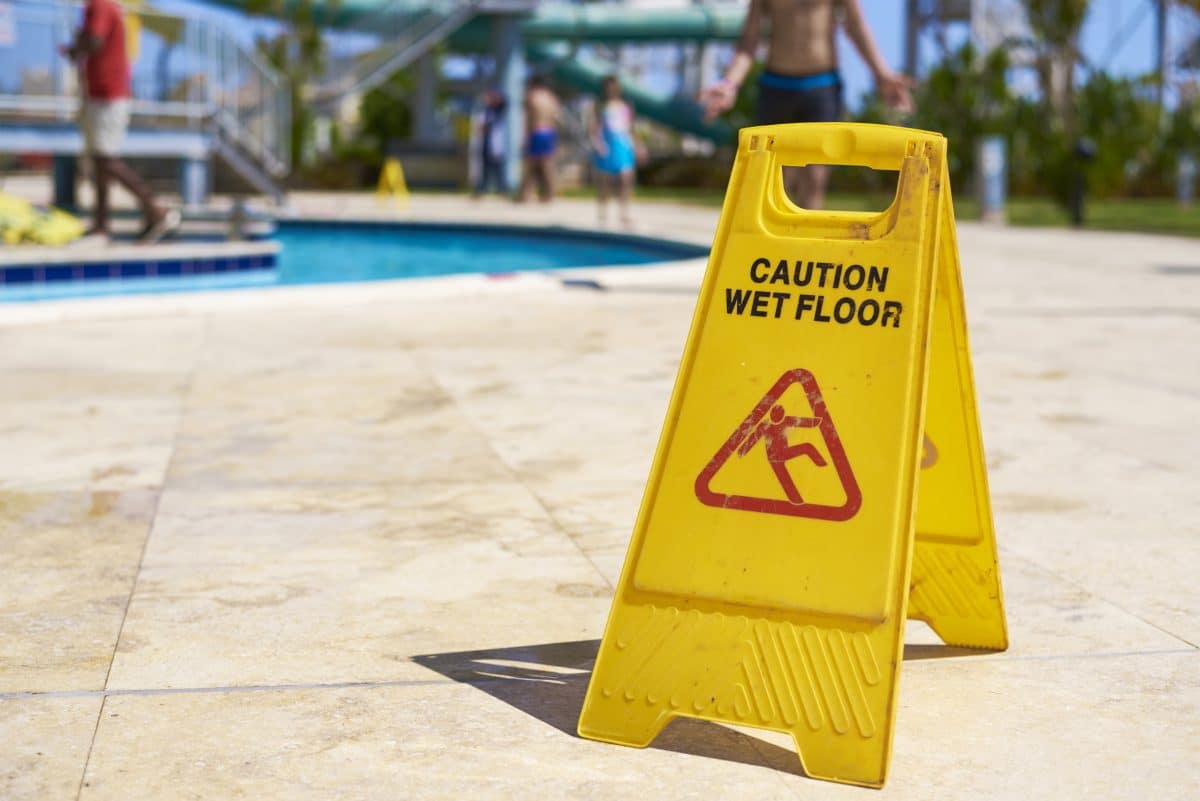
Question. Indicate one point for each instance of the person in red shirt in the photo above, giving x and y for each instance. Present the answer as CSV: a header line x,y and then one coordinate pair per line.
x,y
99,46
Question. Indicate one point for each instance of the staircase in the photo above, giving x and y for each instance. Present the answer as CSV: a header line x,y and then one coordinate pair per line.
x,y
249,115
199,94
407,31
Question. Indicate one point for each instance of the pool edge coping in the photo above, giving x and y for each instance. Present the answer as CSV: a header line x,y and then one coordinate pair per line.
x,y
44,310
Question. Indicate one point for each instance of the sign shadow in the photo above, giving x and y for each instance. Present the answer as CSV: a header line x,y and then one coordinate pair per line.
x,y
549,681
915,652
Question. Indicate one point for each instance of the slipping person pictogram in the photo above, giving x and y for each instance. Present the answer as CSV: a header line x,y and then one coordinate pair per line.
x,y
769,422
774,434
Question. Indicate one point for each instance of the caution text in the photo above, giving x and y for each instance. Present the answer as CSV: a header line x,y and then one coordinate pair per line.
x,y
815,307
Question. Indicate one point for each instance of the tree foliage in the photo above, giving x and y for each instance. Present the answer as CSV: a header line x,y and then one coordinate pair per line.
x,y
298,52
967,96
1056,25
385,113
966,80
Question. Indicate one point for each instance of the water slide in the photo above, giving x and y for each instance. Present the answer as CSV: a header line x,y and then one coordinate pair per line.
x,y
585,74
605,23
550,34
618,24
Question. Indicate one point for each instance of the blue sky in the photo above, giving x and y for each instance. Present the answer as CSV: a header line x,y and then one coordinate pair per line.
x,y
1111,21
1129,23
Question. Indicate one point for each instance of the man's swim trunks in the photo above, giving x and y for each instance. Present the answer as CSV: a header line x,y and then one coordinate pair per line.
x,y
542,142
799,98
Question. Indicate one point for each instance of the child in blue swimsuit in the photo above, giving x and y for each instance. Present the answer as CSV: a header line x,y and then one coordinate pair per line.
x,y
615,152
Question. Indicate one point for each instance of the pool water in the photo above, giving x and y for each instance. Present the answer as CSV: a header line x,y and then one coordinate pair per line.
x,y
316,253
340,252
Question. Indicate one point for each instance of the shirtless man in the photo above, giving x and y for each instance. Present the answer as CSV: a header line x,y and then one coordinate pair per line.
x,y
801,82
542,112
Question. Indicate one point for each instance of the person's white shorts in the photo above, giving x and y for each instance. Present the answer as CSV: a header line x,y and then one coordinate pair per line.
x,y
104,125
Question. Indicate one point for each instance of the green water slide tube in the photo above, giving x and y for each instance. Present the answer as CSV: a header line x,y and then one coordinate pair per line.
x,y
550,30
585,74
613,24
551,22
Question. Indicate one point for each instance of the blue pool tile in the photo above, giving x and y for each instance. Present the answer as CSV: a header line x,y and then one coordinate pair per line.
x,y
18,275
334,250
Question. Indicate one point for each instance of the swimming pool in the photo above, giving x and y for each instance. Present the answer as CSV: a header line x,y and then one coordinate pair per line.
x,y
320,252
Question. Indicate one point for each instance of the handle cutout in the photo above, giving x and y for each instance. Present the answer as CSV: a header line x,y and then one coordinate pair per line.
x,y
855,189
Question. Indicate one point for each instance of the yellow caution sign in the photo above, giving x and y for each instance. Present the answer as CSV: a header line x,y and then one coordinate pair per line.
x,y
768,578
392,183
955,583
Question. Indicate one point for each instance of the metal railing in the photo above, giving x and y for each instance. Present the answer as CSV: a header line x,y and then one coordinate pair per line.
x,y
406,30
187,73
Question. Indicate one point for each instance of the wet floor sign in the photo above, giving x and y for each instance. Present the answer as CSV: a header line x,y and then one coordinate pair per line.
x,y
392,183
823,423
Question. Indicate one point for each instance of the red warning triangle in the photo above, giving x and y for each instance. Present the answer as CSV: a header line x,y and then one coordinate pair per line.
x,y
769,423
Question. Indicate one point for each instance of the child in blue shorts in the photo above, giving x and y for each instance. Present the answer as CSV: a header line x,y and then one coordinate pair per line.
x,y
542,115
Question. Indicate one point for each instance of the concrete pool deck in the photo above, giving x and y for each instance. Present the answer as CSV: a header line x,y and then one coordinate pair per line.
x,y
359,541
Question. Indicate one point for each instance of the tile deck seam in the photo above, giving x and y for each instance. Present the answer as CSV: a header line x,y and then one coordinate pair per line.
x,y
91,743
183,400
233,688
366,685
1088,591
419,357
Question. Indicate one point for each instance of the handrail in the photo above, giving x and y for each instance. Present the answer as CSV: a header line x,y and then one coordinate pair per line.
x,y
416,30
190,73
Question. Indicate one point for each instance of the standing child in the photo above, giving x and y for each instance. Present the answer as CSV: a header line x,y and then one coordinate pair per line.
x,y
493,144
615,152
542,113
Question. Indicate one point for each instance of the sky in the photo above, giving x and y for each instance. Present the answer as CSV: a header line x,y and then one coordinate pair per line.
x,y
1128,23
1110,22
1118,36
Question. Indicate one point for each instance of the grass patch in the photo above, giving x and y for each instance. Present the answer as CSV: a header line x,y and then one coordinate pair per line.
x,y
1144,215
